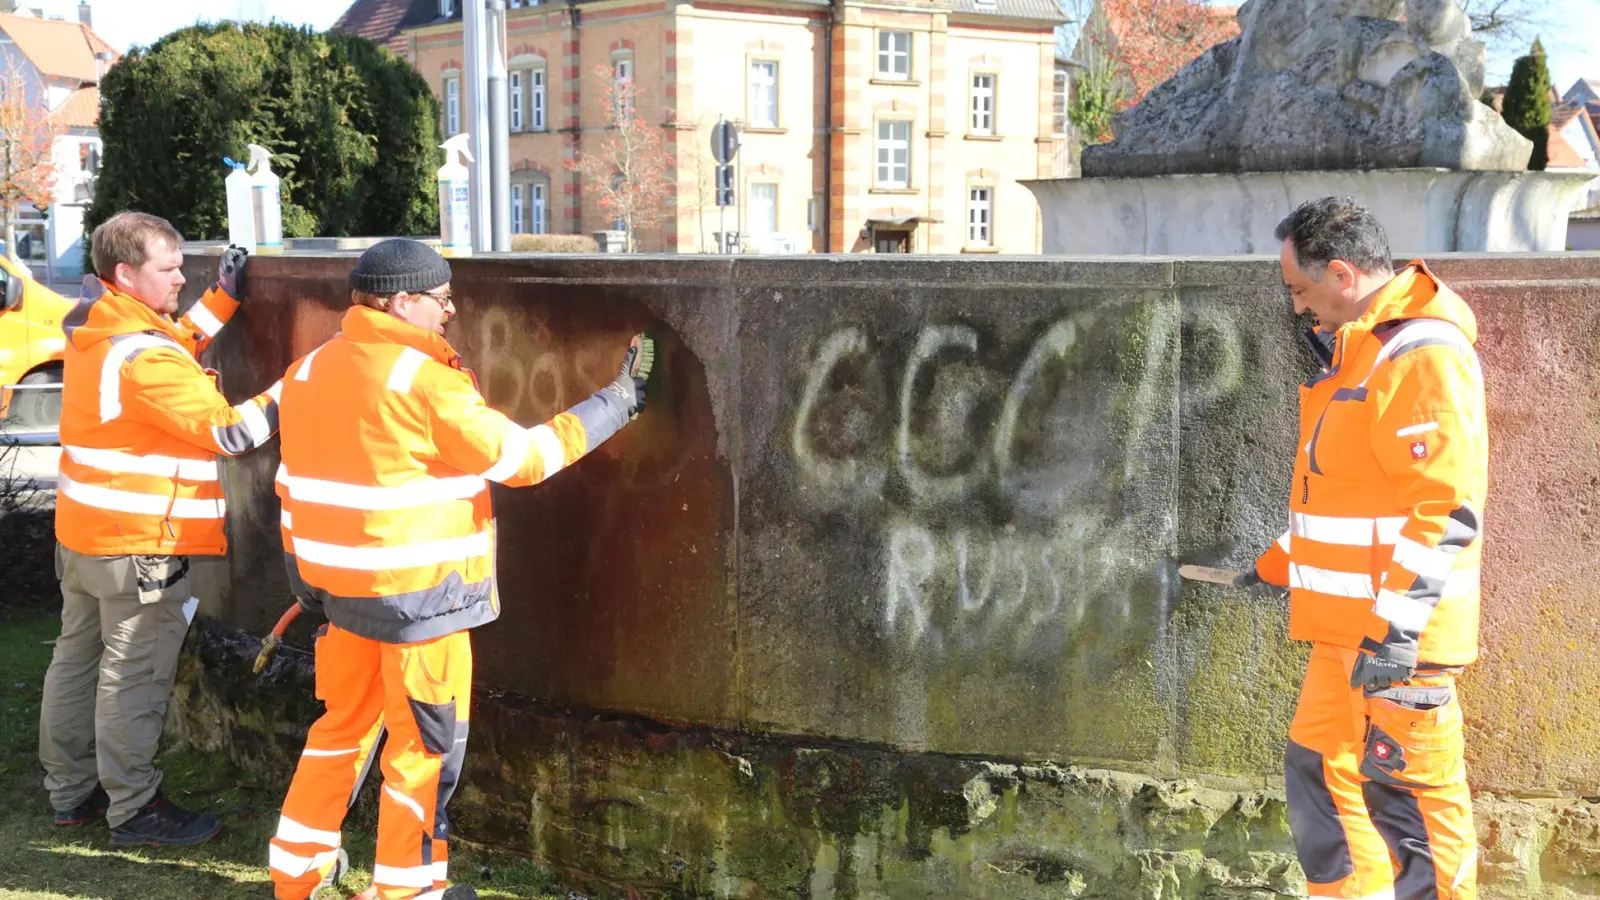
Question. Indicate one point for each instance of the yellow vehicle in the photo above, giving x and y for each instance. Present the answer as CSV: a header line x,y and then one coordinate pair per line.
x,y
31,348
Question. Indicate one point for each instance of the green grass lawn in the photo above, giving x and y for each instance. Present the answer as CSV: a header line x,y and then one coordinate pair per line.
x,y
42,862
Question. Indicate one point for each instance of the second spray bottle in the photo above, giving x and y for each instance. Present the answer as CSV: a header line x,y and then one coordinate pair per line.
x,y
255,211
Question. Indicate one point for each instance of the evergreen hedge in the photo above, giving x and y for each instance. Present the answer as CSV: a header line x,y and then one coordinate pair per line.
x,y
354,131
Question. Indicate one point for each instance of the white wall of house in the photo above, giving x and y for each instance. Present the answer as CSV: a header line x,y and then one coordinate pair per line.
x,y
58,92
77,158
1583,233
1582,140
1583,143
51,243
1578,138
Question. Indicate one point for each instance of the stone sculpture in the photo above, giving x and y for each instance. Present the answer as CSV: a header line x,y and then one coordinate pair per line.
x,y
1321,85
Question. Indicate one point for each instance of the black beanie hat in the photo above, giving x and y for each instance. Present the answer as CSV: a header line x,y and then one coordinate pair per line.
x,y
399,264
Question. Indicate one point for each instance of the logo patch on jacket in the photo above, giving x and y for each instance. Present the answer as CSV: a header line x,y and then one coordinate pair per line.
x,y
1419,449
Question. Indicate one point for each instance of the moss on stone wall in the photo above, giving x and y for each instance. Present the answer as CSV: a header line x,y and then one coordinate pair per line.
x,y
619,804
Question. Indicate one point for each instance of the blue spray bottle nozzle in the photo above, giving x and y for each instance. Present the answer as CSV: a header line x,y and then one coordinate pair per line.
x,y
230,163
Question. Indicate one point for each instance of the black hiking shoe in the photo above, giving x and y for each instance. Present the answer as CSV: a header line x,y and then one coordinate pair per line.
x,y
92,807
162,823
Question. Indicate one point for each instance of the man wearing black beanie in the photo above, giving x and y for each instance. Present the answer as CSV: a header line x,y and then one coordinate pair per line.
x,y
388,449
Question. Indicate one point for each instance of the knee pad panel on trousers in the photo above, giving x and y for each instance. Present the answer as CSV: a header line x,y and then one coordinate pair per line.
x,y
1398,818
1319,837
437,724
449,778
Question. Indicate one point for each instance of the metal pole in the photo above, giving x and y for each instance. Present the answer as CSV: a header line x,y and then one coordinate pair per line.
x,y
499,130
722,208
475,119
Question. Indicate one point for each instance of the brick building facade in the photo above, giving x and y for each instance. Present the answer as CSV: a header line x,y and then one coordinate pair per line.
x,y
866,126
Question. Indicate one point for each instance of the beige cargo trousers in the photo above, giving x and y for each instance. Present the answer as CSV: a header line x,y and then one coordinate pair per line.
x,y
123,620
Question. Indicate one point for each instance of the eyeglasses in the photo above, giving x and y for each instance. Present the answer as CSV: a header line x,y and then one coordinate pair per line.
x,y
443,299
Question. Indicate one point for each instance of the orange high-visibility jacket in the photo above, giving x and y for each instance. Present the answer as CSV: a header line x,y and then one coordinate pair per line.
x,y
141,426
1386,513
388,451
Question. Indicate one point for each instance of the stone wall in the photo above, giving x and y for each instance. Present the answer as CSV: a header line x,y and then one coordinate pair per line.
x,y
879,597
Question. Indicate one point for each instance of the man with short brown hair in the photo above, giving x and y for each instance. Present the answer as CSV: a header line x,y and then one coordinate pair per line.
x,y
138,494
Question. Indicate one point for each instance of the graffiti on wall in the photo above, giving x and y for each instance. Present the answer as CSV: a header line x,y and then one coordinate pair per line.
x,y
528,371
1023,490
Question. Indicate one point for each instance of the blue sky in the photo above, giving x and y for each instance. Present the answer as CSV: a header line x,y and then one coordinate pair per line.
x,y
1573,40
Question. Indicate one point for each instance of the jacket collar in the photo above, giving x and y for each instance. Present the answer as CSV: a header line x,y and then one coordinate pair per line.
x,y
1416,293
365,325
113,313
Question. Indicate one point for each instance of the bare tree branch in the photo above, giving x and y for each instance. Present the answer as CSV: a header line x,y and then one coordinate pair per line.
x,y
1507,25
629,166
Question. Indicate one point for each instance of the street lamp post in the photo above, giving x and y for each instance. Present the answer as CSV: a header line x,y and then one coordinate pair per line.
x,y
484,95
499,158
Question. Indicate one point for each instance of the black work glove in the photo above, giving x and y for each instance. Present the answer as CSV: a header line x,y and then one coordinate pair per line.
x,y
636,366
1383,667
230,269
1247,578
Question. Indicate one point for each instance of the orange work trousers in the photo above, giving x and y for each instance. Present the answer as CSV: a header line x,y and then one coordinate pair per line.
x,y
419,694
1377,786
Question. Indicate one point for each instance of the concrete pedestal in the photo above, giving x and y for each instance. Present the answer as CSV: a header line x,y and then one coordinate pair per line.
x,y
1424,210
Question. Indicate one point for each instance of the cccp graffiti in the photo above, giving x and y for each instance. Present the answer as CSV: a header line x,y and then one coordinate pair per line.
x,y
1025,491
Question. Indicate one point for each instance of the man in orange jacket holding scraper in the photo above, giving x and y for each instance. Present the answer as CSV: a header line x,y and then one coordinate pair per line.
x,y
1381,560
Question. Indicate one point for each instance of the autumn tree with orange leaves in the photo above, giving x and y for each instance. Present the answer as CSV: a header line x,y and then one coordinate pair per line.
x,y
630,165
1128,47
27,137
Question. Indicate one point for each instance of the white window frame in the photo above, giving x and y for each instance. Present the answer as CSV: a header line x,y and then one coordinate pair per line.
x,y
452,105
447,8
622,70
885,148
889,55
529,190
980,215
537,97
753,205
1060,102
514,89
983,88
761,82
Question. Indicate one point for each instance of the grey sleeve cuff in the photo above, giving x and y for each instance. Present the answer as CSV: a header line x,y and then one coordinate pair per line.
x,y
602,415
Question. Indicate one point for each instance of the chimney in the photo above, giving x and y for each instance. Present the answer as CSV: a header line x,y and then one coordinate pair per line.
x,y
85,14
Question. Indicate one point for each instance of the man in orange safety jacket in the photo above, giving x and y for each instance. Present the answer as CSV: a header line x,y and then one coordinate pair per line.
x,y
142,424
388,451
1381,560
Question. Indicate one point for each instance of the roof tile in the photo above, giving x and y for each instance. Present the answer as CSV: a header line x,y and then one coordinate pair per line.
x,y
57,48
82,109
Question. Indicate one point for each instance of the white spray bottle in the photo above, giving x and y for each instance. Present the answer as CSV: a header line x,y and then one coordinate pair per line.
x,y
241,218
455,204
266,201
